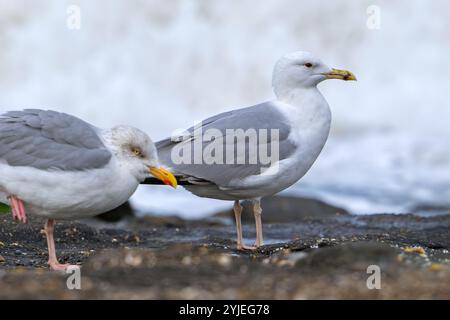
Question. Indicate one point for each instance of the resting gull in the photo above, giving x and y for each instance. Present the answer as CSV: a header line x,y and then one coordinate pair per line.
x,y
299,119
57,166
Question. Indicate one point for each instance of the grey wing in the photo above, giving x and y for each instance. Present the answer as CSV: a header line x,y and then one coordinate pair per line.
x,y
264,118
50,140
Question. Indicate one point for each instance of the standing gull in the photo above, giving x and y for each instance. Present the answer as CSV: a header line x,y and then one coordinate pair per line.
x,y
301,118
57,166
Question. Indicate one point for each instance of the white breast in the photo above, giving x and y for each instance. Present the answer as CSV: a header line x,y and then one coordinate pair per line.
x,y
310,119
68,195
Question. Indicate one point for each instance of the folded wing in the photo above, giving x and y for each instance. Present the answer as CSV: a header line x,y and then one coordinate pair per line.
x,y
263,116
50,140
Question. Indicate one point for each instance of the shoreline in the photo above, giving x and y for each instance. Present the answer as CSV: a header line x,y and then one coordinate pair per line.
x,y
171,258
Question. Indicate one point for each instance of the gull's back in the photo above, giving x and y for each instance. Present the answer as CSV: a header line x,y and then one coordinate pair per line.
x,y
50,140
208,178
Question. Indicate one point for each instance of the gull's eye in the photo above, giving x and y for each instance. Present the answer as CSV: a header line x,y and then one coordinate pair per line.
x,y
308,65
137,152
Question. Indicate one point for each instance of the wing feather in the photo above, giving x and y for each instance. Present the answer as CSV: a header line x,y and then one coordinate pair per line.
x,y
262,116
50,140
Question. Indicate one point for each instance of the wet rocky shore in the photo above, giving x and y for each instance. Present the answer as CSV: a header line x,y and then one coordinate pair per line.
x,y
312,251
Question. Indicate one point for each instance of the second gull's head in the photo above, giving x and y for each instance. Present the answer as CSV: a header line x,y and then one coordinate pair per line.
x,y
303,70
137,152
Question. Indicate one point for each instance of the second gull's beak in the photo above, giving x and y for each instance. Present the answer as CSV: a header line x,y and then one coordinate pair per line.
x,y
340,74
164,175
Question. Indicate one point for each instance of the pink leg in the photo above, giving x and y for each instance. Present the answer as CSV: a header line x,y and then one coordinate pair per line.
x,y
52,260
237,215
22,212
257,211
12,203
18,209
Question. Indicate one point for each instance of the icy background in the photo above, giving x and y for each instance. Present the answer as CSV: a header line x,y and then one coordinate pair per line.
x,y
161,65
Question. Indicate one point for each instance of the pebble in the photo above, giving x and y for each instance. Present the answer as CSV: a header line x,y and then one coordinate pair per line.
x,y
419,250
224,260
187,260
133,260
436,267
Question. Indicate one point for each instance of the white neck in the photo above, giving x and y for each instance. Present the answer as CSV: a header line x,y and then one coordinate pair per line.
x,y
310,119
307,101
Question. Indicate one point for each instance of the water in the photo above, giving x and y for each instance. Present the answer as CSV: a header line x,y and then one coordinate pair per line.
x,y
161,67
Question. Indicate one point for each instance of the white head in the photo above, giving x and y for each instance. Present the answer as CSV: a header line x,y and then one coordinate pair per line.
x,y
303,70
137,152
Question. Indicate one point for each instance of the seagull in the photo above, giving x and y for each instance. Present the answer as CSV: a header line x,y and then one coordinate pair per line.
x,y
300,119
57,166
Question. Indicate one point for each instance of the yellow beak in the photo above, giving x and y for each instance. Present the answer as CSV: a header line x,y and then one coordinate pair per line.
x,y
164,175
340,74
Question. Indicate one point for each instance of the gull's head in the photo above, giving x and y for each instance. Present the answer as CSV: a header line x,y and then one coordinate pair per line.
x,y
137,153
302,70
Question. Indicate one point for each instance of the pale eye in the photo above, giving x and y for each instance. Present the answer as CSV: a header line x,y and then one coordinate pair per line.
x,y
137,152
308,65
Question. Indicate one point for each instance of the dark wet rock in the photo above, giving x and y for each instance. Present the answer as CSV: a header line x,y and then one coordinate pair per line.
x,y
353,254
279,209
172,222
160,222
124,211
313,257
427,209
